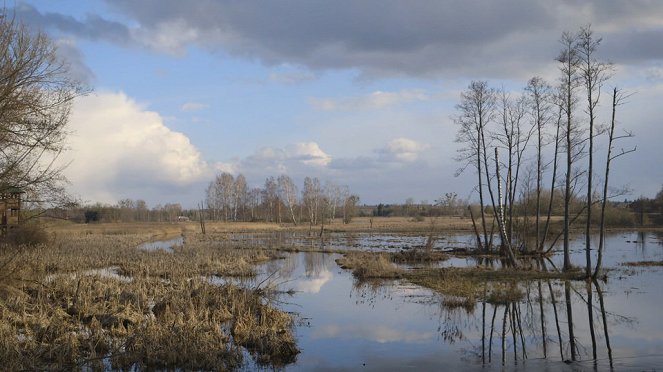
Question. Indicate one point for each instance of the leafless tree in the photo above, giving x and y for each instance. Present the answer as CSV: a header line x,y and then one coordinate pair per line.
x,y
288,193
475,111
270,198
593,75
36,93
311,196
539,99
568,64
617,99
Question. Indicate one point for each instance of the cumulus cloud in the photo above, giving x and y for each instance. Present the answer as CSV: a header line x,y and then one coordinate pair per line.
x,y
373,100
402,150
292,159
119,149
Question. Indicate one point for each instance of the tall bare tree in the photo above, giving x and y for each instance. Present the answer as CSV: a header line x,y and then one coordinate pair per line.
x,y
568,65
312,198
617,99
539,98
475,111
288,192
593,75
36,93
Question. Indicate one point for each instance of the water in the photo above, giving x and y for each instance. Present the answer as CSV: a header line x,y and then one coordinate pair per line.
x,y
393,325
164,245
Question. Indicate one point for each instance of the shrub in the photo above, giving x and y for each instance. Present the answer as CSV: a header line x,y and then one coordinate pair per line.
x,y
25,235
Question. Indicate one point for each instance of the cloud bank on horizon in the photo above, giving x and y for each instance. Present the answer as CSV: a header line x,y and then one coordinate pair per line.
x,y
358,92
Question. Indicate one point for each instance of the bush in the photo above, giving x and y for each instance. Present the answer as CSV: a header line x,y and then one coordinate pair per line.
x,y
25,235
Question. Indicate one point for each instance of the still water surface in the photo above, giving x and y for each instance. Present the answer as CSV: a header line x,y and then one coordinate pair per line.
x,y
345,325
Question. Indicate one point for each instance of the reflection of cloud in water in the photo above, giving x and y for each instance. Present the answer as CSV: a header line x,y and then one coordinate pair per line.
x,y
381,334
314,284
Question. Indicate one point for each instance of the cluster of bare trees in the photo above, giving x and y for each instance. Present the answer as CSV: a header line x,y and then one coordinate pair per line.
x,y
518,143
228,198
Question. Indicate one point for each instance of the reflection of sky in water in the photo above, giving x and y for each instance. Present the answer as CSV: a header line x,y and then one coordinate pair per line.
x,y
165,245
399,326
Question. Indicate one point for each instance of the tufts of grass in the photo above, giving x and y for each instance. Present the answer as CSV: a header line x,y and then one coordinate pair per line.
x,y
366,265
643,263
418,256
62,308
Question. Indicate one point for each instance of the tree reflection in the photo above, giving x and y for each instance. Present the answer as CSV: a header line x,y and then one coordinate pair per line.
x,y
514,331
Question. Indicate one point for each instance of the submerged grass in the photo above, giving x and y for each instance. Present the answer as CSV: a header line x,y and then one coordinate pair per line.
x,y
461,287
58,312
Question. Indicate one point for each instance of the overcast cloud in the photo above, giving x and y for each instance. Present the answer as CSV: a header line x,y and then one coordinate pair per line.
x,y
381,38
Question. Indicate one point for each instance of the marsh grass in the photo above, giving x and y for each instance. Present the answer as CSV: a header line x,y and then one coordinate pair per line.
x,y
643,263
418,256
59,310
368,265
461,287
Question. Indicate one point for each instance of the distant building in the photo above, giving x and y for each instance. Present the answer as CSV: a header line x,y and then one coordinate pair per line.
x,y
10,206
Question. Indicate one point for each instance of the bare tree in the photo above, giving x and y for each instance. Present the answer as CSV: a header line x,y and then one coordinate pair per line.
x,y
475,111
593,74
568,62
270,198
221,196
539,97
240,190
288,193
311,196
617,99
36,93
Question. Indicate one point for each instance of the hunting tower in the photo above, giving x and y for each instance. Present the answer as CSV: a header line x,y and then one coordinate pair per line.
x,y
10,206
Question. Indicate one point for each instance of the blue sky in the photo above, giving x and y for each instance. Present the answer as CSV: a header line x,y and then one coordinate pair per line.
x,y
358,93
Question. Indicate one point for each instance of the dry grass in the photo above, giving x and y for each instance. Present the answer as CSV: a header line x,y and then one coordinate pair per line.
x,y
461,287
418,256
366,265
56,312
643,263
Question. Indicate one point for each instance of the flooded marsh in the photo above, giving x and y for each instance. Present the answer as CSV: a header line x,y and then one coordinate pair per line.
x,y
254,300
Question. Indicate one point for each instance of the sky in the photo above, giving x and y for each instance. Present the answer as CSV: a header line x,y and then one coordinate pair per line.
x,y
359,93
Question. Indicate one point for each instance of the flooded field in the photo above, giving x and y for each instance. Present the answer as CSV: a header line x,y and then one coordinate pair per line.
x,y
343,323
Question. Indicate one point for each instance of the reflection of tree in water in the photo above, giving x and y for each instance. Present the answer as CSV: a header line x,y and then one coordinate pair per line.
x,y
534,327
316,263
368,292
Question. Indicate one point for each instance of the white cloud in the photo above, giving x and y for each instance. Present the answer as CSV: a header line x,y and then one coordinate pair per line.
x,y
291,77
379,333
314,284
119,149
402,150
308,153
272,160
193,106
375,100
170,36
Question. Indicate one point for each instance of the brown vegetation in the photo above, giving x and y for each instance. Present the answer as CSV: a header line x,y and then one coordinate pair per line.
x,y
87,299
